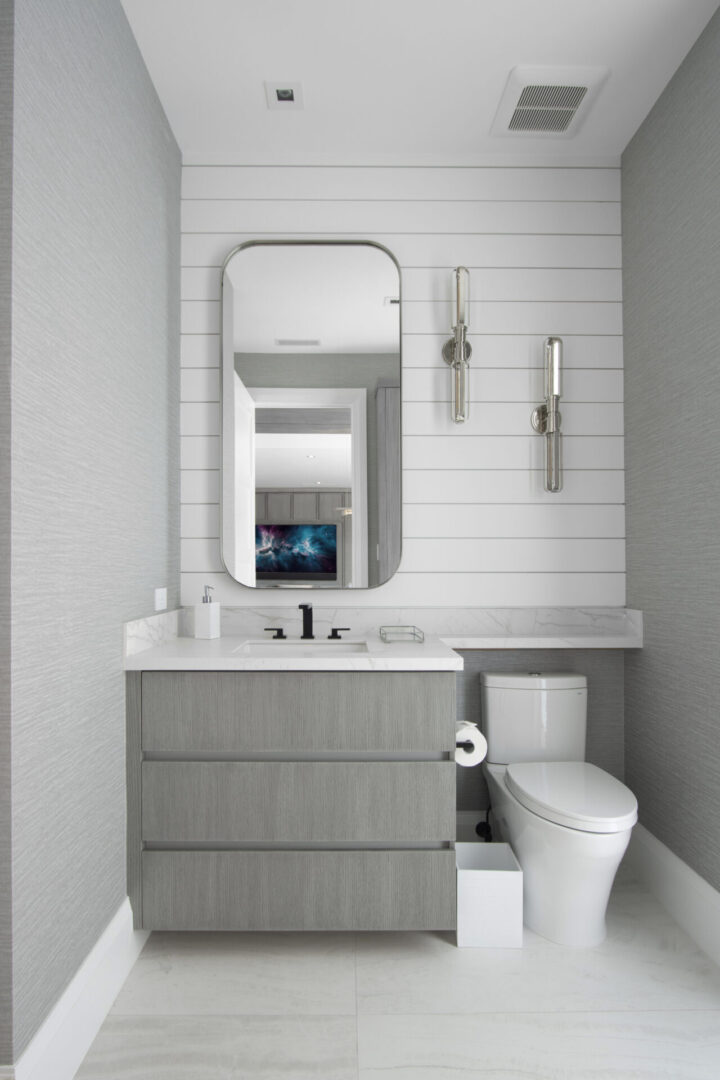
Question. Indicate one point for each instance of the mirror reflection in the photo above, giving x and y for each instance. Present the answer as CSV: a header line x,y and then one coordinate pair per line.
x,y
311,415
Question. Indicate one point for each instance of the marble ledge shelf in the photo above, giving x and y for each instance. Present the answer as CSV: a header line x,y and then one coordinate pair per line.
x,y
459,628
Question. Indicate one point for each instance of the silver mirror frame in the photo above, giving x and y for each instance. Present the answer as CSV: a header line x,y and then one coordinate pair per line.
x,y
305,243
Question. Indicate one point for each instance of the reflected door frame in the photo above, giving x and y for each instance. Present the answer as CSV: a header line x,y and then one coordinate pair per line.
x,y
354,399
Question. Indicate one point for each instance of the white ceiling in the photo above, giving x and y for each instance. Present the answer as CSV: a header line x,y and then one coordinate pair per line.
x,y
298,461
400,81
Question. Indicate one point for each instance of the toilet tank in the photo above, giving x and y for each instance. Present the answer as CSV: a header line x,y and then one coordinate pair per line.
x,y
533,716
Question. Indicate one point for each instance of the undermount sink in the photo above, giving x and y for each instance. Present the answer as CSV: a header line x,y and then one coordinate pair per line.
x,y
301,648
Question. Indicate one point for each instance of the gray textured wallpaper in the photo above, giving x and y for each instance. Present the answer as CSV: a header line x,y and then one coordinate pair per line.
x,y
94,460
6,70
671,260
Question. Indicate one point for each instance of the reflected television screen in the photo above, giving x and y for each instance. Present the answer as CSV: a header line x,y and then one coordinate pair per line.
x,y
296,552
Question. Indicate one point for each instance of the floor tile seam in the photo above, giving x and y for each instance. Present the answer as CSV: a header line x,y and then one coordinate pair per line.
x,y
537,1012
230,1016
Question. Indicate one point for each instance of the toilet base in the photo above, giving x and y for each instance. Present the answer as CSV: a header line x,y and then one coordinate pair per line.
x,y
567,874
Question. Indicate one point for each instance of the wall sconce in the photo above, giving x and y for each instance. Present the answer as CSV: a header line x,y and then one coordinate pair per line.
x,y
546,418
457,350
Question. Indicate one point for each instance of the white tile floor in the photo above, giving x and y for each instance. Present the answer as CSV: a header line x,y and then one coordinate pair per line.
x,y
645,1005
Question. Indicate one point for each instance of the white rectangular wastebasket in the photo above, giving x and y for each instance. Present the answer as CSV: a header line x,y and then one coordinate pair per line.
x,y
489,896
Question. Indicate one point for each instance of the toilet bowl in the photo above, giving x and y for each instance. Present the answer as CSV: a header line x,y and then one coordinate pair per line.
x,y
568,822
567,872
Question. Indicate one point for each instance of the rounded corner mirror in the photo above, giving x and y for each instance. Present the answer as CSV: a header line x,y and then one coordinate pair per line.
x,y
311,415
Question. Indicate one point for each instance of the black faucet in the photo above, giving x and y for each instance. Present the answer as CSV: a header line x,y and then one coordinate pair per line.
x,y
307,621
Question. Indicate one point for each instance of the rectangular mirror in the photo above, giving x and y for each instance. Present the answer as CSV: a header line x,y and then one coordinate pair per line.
x,y
311,468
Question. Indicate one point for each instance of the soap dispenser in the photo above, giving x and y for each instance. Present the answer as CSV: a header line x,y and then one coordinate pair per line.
x,y
207,616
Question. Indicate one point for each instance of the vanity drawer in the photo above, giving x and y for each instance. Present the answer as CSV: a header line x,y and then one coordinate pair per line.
x,y
225,711
298,801
299,890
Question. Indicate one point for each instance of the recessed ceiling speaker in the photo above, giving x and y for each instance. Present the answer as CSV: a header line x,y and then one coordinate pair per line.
x,y
547,101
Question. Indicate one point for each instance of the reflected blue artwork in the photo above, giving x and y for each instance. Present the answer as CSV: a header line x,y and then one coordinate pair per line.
x,y
296,552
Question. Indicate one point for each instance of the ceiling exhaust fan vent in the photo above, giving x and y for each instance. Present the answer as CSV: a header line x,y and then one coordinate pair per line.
x,y
547,101
552,97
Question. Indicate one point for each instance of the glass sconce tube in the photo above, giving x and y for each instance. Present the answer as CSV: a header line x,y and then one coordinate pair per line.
x,y
546,417
457,349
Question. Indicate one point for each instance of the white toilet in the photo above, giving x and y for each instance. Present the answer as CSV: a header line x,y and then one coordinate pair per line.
x,y
567,821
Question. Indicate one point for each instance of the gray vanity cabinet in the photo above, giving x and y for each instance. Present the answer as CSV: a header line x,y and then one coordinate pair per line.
x,y
291,800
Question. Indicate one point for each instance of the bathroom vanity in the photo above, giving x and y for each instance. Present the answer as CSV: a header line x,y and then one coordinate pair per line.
x,y
287,786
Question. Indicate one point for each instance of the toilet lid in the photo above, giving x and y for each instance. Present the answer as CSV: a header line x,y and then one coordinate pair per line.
x,y
573,793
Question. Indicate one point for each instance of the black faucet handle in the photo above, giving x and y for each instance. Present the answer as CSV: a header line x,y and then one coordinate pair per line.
x,y
279,634
334,634
307,634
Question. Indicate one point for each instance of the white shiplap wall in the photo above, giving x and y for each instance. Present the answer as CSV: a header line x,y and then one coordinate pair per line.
x,y
543,249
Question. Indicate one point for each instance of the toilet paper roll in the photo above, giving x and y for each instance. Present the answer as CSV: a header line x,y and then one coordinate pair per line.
x,y
470,733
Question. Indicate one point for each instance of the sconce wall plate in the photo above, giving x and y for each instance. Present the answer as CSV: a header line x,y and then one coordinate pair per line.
x,y
448,351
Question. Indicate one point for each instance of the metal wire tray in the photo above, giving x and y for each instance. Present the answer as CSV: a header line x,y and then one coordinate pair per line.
x,y
401,633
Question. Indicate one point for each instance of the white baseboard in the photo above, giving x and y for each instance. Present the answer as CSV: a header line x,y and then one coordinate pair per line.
x,y
64,1039
693,903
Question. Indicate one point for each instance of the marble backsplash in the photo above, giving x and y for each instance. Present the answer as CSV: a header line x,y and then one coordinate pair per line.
x,y
141,634
461,628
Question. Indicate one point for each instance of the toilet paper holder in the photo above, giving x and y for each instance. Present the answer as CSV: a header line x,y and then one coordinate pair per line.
x,y
470,745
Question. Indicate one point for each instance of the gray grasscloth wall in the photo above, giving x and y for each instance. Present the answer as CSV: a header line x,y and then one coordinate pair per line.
x,y
671,260
6,69
604,671
94,433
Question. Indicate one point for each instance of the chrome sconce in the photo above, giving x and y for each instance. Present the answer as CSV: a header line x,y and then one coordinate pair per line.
x,y
457,350
546,418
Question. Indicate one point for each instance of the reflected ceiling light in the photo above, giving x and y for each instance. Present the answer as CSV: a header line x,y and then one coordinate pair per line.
x,y
297,342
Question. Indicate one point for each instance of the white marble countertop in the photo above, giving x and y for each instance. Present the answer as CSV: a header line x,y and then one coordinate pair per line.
x,y
630,639
158,638
229,654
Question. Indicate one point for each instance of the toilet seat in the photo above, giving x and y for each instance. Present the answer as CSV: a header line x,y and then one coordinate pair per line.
x,y
574,794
